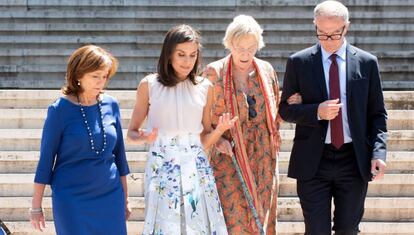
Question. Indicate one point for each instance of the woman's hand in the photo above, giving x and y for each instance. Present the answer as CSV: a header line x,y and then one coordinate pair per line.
x,y
225,122
37,219
224,146
142,137
128,209
149,137
295,99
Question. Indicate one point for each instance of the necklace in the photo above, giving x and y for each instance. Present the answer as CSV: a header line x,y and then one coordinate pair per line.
x,y
242,79
89,129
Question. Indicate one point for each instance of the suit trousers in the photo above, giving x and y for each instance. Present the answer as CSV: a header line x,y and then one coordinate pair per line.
x,y
337,178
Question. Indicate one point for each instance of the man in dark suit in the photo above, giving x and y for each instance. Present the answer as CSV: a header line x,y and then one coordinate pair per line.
x,y
340,136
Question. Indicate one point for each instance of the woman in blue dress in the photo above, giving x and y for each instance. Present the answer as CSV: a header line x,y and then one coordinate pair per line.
x,y
82,153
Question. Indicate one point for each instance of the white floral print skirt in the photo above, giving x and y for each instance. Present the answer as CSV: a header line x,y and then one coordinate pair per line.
x,y
180,191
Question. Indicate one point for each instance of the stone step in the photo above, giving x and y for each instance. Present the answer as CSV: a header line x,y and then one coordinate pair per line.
x,y
16,208
217,3
400,119
128,77
385,209
151,67
34,118
384,25
399,100
127,81
26,162
207,40
152,54
41,99
392,185
391,69
56,80
30,26
208,12
29,139
367,228
397,85
394,209
284,228
25,228
21,185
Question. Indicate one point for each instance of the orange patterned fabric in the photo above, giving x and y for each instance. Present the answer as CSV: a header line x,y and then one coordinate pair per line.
x,y
260,146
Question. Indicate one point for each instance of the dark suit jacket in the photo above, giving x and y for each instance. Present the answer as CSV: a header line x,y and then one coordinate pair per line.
x,y
365,107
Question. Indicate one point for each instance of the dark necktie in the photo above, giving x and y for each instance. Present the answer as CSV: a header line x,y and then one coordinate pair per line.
x,y
337,133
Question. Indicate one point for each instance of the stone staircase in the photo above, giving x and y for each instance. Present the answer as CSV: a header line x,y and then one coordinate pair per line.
x,y
37,36
389,205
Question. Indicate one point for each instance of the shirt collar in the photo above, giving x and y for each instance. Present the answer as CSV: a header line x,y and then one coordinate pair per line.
x,y
341,53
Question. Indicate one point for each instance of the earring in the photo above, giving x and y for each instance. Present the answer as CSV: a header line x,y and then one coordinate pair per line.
x,y
78,83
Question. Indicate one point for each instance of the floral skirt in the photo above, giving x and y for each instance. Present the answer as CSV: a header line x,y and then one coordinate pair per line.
x,y
180,191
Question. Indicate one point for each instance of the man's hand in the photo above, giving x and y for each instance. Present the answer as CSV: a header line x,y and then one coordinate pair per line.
x,y
329,109
294,99
377,168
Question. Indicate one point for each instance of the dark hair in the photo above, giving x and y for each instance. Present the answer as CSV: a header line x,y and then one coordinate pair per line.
x,y
84,60
176,35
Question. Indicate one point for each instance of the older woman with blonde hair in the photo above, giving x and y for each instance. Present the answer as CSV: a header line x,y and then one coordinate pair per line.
x,y
247,87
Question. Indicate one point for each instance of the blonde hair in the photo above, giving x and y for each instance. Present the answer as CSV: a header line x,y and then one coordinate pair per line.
x,y
84,60
331,8
243,25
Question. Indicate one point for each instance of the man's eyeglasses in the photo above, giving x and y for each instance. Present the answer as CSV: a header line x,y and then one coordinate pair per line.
x,y
325,37
251,101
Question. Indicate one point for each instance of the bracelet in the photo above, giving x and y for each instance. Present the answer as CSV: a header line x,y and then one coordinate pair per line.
x,y
36,210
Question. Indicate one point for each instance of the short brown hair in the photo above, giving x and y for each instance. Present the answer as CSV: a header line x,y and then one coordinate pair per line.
x,y
84,60
176,35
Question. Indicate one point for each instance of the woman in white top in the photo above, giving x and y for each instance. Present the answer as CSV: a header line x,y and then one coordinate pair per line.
x,y
180,191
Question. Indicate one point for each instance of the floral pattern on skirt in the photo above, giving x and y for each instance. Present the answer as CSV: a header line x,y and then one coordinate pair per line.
x,y
180,191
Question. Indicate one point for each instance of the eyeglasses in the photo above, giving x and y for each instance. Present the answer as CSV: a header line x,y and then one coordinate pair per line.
x,y
251,101
250,50
325,37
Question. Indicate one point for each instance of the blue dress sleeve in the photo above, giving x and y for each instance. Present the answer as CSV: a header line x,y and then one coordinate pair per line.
x,y
51,138
119,149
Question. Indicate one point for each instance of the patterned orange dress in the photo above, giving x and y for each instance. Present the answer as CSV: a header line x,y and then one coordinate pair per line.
x,y
261,147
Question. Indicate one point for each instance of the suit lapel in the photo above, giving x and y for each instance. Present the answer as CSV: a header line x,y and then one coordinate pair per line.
x,y
317,67
351,65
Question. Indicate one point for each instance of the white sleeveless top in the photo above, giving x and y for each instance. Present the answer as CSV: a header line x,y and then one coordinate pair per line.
x,y
177,110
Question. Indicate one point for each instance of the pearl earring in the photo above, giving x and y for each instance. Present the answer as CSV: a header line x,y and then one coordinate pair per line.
x,y
78,83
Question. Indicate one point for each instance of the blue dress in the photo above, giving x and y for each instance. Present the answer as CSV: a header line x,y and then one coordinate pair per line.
x,y
87,194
